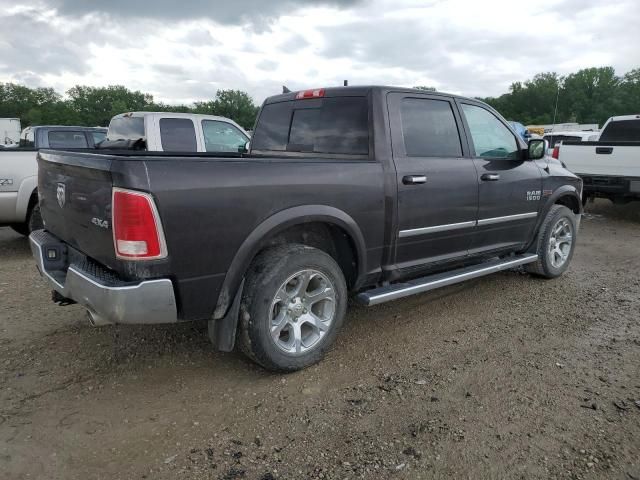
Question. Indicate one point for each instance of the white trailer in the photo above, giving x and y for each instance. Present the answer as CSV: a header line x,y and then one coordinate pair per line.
x,y
9,132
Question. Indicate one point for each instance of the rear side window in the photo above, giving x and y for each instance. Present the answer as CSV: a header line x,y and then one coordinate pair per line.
x,y
126,128
337,125
622,131
177,135
67,140
429,128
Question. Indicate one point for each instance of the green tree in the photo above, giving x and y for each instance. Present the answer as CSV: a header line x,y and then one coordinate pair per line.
x,y
234,104
94,106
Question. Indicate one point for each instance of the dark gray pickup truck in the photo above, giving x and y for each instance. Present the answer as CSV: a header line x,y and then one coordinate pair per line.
x,y
379,192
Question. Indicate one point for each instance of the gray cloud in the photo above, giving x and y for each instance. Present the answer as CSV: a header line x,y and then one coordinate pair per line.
x,y
33,46
256,12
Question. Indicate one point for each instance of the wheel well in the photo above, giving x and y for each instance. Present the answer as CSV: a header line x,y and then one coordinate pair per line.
x,y
327,237
33,199
570,202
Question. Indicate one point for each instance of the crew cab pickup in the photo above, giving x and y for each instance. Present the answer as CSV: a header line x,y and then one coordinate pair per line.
x,y
178,132
378,192
19,171
609,167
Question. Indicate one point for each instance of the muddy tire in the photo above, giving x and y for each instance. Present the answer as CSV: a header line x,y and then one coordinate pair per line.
x,y
555,243
293,306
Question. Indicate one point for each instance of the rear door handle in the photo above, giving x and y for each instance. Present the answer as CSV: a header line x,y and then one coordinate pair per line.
x,y
414,179
490,177
604,150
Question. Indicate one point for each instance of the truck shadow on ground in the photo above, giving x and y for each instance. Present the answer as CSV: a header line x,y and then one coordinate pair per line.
x,y
13,245
629,212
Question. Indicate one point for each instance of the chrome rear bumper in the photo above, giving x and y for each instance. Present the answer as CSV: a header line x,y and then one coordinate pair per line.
x,y
146,302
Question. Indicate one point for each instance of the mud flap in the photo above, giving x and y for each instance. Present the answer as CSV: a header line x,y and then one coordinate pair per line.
x,y
222,332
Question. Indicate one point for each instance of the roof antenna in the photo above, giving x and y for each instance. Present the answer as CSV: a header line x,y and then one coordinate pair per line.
x,y
285,89
345,83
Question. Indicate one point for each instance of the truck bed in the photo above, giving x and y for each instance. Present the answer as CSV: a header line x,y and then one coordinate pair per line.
x,y
620,159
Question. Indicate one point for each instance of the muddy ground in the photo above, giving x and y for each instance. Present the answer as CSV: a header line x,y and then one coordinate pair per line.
x,y
504,377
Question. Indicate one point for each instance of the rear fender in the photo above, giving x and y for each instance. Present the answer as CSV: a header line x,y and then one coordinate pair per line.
x,y
26,190
276,224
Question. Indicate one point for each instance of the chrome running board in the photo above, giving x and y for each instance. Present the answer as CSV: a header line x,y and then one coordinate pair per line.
x,y
431,282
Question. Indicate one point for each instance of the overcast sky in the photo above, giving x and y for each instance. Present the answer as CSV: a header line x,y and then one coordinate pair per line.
x,y
181,51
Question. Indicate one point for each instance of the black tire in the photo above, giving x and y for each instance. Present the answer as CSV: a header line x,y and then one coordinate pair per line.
x,y
34,222
268,272
544,267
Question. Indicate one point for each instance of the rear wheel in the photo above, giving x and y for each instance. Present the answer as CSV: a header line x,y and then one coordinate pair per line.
x,y
555,243
33,222
293,305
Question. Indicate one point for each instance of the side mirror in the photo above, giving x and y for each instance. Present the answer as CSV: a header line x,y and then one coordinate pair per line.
x,y
244,148
536,149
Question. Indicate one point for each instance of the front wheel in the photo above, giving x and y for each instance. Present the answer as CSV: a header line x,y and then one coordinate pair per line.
x,y
293,305
555,243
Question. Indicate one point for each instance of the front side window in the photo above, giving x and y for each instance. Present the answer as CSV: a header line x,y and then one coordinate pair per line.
x,y
335,125
178,135
491,138
222,136
98,136
67,139
429,128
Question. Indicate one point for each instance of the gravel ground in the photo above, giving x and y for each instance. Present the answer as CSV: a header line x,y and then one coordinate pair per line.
x,y
504,377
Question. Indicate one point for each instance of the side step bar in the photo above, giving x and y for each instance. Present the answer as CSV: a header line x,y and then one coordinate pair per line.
x,y
431,282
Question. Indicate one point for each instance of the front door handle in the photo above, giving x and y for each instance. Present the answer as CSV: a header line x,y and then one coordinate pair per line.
x,y
490,177
414,179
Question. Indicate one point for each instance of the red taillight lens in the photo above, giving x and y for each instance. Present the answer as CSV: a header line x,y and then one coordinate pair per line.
x,y
137,232
556,152
316,93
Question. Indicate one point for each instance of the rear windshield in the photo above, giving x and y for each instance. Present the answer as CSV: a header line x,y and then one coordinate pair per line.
x,y
126,128
68,139
555,139
622,131
337,125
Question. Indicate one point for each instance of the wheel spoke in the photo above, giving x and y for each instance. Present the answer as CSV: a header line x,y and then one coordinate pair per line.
x,y
297,337
313,319
302,284
319,295
278,323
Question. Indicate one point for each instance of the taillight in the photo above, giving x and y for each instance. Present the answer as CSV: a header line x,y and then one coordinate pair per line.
x,y
556,152
137,231
316,93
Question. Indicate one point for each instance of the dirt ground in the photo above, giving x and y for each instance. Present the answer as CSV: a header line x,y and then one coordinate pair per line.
x,y
504,377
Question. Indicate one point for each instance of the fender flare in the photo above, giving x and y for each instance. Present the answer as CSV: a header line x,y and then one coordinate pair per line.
x,y
275,224
28,187
563,191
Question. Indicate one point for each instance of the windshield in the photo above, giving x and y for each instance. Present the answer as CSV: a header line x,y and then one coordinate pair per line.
x,y
126,128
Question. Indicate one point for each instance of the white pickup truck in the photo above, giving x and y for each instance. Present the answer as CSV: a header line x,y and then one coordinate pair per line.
x,y
19,170
610,167
175,132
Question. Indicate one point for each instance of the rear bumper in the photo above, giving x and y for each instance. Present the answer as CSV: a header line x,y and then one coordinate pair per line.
x,y
611,185
106,298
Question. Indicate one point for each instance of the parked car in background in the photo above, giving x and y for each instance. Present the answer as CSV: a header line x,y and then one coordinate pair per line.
x,y
175,132
520,130
556,138
9,132
609,167
379,191
19,170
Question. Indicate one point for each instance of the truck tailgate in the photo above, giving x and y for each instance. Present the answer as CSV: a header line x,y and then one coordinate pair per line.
x,y
75,200
607,159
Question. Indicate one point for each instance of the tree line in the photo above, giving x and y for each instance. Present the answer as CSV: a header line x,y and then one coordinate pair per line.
x,y
94,106
591,95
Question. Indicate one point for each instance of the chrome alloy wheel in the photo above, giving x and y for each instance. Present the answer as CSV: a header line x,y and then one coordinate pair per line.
x,y
560,242
302,311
